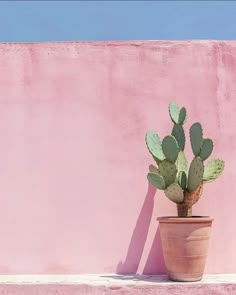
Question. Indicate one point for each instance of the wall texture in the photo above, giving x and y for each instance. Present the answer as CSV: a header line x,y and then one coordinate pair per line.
x,y
73,191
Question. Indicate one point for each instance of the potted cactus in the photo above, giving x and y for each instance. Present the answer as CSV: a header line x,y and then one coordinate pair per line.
x,y
184,237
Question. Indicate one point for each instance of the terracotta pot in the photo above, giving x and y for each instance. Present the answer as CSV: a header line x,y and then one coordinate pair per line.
x,y
185,246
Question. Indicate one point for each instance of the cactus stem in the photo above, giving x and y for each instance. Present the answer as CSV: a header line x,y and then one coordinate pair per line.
x,y
184,210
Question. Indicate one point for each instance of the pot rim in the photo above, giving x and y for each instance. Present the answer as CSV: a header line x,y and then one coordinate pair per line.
x,y
192,219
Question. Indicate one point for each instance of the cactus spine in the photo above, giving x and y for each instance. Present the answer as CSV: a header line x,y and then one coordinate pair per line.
x,y
181,185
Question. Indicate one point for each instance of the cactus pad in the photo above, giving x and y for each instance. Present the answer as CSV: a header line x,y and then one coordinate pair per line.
x,y
156,180
168,171
170,148
175,193
178,133
178,116
181,162
154,145
196,138
182,179
174,112
195,174
153,169
207,148
213,170
182,116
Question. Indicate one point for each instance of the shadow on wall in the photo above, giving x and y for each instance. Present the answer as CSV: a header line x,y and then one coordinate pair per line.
x,y
155,262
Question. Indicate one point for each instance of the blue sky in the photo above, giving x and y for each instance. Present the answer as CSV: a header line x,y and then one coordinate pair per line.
x,y
30,21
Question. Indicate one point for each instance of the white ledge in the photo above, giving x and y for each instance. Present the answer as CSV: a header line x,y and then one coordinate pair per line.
x,y
114,284
110,279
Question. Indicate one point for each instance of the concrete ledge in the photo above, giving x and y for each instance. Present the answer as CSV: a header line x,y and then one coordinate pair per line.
x,y
113,284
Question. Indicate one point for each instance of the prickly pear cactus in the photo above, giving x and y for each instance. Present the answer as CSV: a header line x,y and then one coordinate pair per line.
x,y
174,112
168,171
156,180
178,116
153,143
182,179
195,174
194,196
181,185
170,148
182,116
190,198
182,162
196,138
175,193
153,169
213,170
178,133
207,148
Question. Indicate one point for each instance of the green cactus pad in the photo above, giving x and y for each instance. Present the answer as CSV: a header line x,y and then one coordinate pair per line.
x,y
182,179
174,112
168,171
156,180
181,162
213,170
154,145
182,116
178,116
178,133
207,148
153,169
196,138
195,174
175,193
170,148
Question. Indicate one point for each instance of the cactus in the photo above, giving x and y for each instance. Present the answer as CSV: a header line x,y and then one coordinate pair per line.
x,y
182,186
156,180
207,148
153,169
182,179
181,162
170,148
213,170
182,116
178,133
196,138
175,193
168,171
153,143
194,196
195,174
185,208
178,116
174,112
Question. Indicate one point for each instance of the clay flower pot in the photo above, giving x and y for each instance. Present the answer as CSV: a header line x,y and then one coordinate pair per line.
x,y
185,246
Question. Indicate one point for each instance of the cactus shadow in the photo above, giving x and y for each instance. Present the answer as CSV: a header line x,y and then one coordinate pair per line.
x,y
154,263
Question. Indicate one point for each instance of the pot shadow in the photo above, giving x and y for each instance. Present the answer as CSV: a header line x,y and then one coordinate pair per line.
x,y
144,278
155,261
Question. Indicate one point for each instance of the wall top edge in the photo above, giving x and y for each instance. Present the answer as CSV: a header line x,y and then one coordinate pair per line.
x,y
118,43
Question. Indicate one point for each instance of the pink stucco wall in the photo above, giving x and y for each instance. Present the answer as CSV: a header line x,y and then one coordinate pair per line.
x,y
73,191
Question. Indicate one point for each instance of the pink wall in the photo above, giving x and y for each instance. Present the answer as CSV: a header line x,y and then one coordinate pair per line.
x,y
73,191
